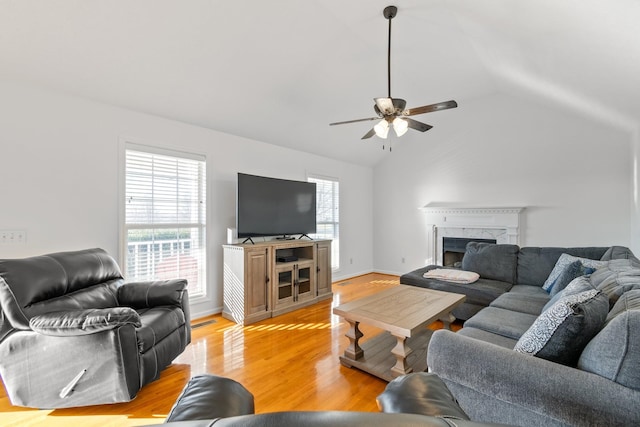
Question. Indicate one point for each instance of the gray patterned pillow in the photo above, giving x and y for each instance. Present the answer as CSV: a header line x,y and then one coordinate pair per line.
x,y
561,332
563,262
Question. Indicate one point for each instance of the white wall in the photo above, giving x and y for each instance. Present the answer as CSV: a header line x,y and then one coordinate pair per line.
x,y
573,176
59,178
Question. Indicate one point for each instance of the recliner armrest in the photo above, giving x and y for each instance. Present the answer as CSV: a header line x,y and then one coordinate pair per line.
x,y
211,397
420,393
152,294
83,322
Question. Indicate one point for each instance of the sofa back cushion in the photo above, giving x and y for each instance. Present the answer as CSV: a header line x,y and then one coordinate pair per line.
x,y
614,352
618,277
491,261
59,281
536,263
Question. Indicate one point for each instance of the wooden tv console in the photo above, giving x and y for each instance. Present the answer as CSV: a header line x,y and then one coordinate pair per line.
x,y
267,279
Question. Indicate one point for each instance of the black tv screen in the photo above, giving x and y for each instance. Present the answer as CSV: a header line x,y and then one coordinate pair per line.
x,y
274,207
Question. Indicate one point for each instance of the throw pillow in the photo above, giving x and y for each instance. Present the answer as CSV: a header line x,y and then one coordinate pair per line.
x,y
576,286
563,262
614,353
571,271
561,332
491,261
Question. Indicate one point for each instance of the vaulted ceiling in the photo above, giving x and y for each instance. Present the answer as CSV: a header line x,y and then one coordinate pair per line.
x,y
279,71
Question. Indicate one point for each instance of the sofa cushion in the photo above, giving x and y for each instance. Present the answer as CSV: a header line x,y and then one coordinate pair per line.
x,y
54,275
489,337
563,263
480,292
491,261
570,272
535,263
562,331
614,352
507,323
530,304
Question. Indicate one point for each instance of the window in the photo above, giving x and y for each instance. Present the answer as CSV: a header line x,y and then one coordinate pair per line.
x,y
165,211
328,214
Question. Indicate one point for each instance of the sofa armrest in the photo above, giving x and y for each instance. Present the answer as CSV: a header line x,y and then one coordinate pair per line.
x,y
153,294
83,322
496,384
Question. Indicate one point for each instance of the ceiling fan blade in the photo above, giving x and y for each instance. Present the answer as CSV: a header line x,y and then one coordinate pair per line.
x,y
354,121
430,108
385,105
414,124
369,134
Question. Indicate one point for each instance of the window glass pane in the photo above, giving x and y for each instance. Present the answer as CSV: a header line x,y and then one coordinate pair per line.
x,y
328,214
165,219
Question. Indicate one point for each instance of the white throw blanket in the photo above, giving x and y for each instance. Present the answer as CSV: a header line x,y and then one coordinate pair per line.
x,y
456,276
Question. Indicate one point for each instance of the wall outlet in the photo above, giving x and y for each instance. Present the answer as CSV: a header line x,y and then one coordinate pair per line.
x,y
13,237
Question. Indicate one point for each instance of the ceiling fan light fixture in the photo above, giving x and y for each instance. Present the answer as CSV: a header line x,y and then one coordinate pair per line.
x,y
400,126
392,110
382,128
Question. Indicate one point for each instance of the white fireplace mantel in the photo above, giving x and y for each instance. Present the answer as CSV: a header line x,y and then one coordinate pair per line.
x,y
498,223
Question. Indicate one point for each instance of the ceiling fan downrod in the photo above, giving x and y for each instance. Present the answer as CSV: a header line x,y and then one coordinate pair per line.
x,y
389,12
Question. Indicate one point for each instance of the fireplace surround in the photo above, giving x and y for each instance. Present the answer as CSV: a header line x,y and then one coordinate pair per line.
x,y
494,224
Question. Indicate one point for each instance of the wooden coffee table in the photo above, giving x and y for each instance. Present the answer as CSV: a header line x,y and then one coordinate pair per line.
x,y
404,311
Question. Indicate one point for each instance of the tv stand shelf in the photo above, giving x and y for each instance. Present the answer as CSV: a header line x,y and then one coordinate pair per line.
x,y
258,286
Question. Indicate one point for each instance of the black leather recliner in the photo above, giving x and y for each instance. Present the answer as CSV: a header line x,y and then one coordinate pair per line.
x,y
417,399
73,333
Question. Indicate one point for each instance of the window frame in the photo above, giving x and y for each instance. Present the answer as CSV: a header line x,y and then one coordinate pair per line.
x,y
127,144
335,245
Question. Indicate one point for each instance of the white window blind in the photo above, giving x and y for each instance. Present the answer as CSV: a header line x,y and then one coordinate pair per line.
x,y
328,215
165,217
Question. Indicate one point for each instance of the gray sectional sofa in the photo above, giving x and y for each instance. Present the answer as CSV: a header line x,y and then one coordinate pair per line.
x,y
532,357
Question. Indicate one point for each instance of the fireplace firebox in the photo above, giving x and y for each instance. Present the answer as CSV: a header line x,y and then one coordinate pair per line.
x,y
453,249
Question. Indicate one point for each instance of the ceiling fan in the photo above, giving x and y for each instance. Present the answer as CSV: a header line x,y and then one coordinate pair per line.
x,y
391,111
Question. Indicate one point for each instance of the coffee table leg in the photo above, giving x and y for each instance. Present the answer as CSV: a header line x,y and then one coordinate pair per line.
x,y
353,351
447,320
401,351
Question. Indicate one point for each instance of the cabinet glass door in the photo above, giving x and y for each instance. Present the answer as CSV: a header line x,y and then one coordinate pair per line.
x,y
286,282
304,282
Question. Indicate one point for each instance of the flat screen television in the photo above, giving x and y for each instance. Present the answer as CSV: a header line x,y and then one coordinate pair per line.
x,y
274,207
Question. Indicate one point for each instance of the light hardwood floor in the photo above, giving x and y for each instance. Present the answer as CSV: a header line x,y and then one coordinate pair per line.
x,y
289,363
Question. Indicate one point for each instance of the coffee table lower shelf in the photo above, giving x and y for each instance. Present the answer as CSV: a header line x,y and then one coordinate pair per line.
x,y
377,358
